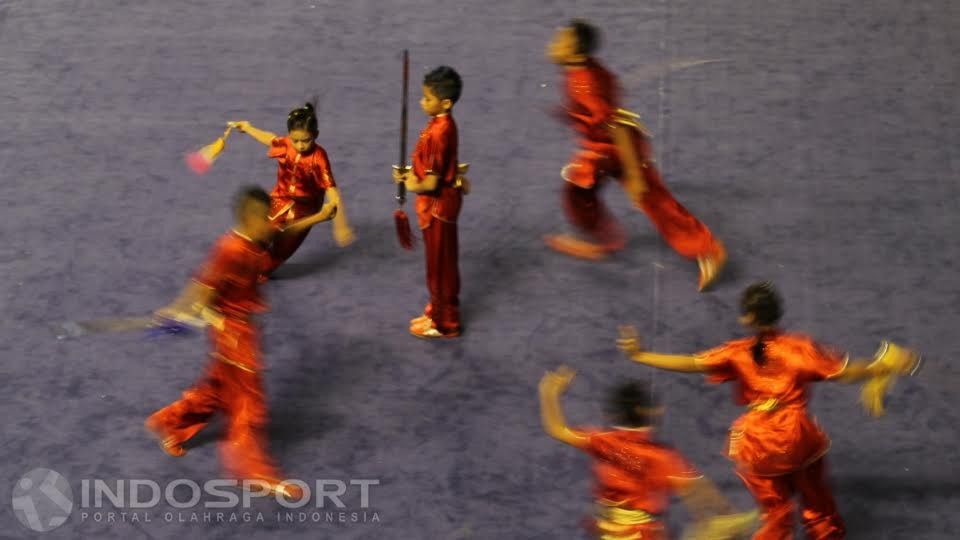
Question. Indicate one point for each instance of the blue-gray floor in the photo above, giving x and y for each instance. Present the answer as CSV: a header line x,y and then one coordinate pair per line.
x,y
822,151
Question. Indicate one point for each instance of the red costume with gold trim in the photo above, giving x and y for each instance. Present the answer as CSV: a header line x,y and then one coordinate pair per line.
x,y
593,98
777,447
437,213
635,480
232,384
302,181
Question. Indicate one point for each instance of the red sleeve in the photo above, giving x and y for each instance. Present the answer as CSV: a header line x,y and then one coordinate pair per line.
x,y
718,363
322,172
677,469
438,158
821,363
278,147
220,267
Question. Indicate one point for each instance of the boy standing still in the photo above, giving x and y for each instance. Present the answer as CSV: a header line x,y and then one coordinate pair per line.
x,y
434,178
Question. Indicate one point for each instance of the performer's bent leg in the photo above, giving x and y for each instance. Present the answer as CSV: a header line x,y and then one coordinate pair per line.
x,y
587,212
774,496
687,235
243,448
181,420
283,247
820,516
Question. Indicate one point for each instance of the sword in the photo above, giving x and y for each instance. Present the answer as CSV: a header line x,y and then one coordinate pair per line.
x,y
401,188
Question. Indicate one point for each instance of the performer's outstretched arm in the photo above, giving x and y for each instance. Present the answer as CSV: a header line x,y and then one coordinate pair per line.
x,y
552,386
858,371
328,212
263,137
630,345
342,233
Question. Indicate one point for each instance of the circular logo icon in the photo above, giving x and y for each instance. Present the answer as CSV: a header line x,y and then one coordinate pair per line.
x,y
42,500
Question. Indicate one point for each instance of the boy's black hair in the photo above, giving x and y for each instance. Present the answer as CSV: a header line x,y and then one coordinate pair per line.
x,y
763,302
304,118
248,194
445,83
633,404
588,36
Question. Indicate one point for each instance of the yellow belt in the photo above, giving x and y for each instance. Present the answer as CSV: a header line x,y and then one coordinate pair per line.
x,y
765,405
613,522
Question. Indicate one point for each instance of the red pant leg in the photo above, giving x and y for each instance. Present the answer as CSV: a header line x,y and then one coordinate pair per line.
x,y
820,516
586,212
774,496
581,199
283,247
184,418
243,449
677,226
443,274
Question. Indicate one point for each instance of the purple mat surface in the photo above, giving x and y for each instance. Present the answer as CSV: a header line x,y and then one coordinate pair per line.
x,y
822,151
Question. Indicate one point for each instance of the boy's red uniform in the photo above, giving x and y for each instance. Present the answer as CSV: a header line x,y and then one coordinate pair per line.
x,y
593,98
302,181
777,448
232,384
437,212
635,480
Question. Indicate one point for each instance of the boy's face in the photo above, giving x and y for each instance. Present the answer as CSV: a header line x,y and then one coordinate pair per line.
x,y
302,140
562,49
255,217
433,105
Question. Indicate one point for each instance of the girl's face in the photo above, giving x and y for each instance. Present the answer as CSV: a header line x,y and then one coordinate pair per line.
x,y
302,140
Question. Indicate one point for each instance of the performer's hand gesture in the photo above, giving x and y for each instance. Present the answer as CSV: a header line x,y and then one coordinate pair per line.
x,y
343,235
240,125
629,341
401,175
556,382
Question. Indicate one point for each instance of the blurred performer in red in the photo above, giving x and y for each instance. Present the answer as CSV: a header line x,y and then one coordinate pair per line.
x,y
304,181
635,475
435,178
225,293
778,449
614,144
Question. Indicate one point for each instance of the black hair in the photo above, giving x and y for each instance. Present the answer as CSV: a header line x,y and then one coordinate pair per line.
x,y
248,194
588,36
762,301
445,83
633,404
304,118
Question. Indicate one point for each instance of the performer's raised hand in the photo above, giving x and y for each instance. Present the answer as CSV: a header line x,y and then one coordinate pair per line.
x,y
557,381
239,125
629,341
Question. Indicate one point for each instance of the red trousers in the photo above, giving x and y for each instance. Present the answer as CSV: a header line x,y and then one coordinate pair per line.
x,y
236,391
774,495
678,227
443,274
283,247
